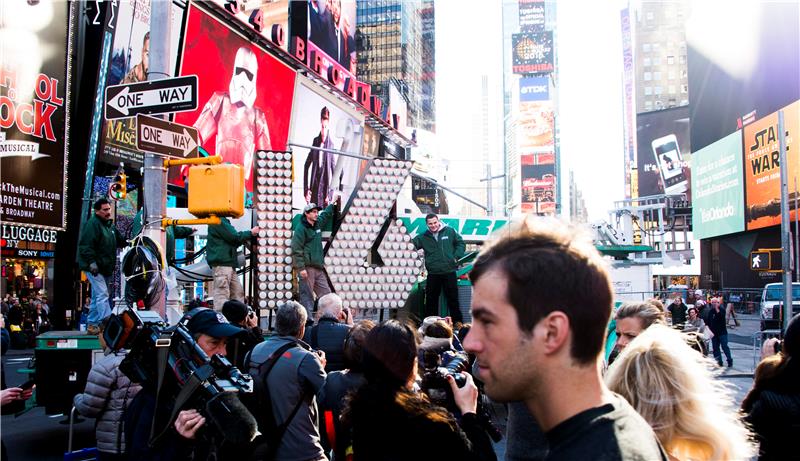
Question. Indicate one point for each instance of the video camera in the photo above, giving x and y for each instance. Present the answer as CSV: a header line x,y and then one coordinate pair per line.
x,y
186,376
434,378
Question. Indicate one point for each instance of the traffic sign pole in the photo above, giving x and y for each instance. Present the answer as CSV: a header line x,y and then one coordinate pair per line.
x,y
785,229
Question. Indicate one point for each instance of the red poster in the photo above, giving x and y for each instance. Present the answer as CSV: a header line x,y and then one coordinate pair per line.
x,y
245,94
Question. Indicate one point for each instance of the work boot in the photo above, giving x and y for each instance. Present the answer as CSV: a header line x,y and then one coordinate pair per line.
x,y
730,363
94,330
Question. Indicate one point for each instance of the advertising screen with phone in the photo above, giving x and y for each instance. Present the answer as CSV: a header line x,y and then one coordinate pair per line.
x,y
670,164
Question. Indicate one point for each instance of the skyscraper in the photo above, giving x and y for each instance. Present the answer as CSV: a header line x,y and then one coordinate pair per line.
x,y
395,41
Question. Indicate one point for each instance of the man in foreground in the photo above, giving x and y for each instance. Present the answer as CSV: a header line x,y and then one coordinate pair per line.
x,y
542,299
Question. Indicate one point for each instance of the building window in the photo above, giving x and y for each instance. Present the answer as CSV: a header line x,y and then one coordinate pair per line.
x,y
648,105
670,60
683,59
656,61
656,76
684,88
645,47
684,73
648,76
657,90
649,16
648,90
646,62
671,75
671,89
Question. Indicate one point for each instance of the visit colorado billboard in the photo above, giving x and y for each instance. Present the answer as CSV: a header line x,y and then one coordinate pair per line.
x,y
245,94
718,198
34,107
532,53
762,167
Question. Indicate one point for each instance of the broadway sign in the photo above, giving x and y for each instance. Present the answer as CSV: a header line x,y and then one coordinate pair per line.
x,y
152,97
34,108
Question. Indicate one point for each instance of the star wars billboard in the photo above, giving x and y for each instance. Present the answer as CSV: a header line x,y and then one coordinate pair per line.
x,y
34,107
245,94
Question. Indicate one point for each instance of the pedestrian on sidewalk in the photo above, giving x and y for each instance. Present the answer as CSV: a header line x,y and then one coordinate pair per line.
x,y
716,323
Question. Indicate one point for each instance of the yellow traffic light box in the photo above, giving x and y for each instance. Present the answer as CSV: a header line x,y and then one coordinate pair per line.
x,y
216,190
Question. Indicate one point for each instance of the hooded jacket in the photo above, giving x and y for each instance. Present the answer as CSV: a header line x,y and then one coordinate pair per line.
x,y
223,241
442,252
107,395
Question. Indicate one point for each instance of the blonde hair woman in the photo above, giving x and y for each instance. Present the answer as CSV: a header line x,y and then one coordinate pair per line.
x,y
672,386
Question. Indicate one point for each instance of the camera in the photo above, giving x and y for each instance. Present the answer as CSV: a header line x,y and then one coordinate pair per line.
x,y
434,378
214,383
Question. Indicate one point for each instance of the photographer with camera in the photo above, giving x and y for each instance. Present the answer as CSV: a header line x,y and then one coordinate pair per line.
x,y
242,315
287,374
772,405
186,438
385,413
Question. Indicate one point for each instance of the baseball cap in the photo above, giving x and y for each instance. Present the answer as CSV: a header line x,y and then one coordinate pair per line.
x,y
210,322
310,207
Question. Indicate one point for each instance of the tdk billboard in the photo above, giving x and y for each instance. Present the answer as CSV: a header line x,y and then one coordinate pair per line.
x,y
534,89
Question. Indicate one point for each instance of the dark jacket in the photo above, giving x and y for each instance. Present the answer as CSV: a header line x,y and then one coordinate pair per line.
x,y
318,178
384,431
331,400
442,254
223,241
716,322
98,244
678,313
239,345
108,394
773,411
328,335
307,241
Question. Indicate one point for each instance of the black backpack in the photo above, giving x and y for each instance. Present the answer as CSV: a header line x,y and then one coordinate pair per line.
x,y
259,402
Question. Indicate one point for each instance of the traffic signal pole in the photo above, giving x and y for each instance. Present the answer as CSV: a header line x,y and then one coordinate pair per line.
x,y
785,226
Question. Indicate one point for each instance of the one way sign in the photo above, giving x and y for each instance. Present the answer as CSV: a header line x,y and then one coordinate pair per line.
x,y
156,135
153,97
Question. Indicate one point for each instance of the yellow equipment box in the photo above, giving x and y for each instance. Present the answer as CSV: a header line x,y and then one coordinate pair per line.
x,y
216,190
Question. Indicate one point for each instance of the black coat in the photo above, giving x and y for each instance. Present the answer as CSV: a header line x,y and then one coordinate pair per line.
x,y
773,411
328,335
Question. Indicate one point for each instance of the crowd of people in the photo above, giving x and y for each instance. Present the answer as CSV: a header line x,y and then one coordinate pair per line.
x,y
25,318
542,315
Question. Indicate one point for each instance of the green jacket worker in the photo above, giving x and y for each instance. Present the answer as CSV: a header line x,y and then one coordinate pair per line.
x,y
97,257
307,256
443,247
221,254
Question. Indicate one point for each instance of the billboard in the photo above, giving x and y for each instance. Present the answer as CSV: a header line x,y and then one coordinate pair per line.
x,y
371,143
535,129
244,94
663,152
718,198
533,89
762,167
538,189
531,15
262,14
629,106
532,53
130,63
321,121
34,107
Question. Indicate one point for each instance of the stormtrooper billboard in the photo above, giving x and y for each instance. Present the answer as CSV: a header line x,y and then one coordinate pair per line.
x,y
245,94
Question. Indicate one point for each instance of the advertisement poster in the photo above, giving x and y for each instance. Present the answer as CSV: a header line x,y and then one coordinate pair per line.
x,y
532,89
371,143
532,53
762,171
531,15
130,63
663,152
329,30
33,112
538,189
319,122
718,201
245,94
268,13
535,131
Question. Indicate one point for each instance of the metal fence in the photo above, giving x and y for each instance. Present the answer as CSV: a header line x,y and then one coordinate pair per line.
x,y
745,300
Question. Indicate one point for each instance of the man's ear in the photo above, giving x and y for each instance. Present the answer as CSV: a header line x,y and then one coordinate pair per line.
x,y
553,332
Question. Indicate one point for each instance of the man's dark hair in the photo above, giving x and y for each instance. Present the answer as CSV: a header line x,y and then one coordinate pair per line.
x,y
550,267
146,37
324,113
430,215
100,202
439,329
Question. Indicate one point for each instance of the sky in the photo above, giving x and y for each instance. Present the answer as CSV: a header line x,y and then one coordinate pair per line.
x,y
469,45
